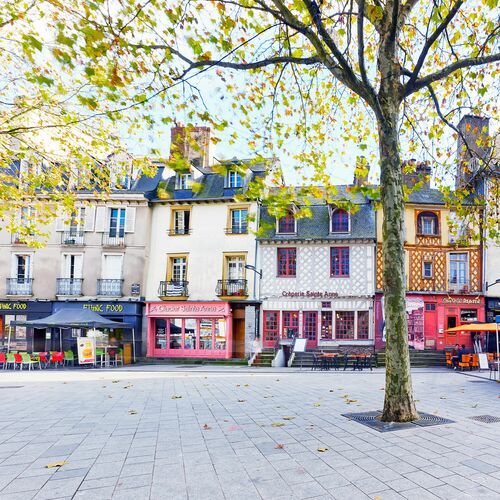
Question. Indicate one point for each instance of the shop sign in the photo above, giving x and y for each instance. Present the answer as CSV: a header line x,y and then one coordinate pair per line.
x,y
310,294
461,300
19,306
104,308
86,350
6,306
188,308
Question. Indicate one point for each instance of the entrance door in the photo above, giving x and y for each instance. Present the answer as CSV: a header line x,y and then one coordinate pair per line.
x,y
310,328
39,339
271,328
238,338
430,326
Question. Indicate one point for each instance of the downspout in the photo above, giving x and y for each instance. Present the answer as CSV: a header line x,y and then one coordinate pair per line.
x,y
255,258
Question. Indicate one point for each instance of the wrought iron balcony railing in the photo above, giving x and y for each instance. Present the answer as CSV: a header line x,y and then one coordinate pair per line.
x,y
19,286
110,288
241,229
177,231
173,289
231,288
69,286
109,240
73,238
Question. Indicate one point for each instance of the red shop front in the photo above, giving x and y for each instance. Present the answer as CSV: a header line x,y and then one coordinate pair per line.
x,y
429,316
189,329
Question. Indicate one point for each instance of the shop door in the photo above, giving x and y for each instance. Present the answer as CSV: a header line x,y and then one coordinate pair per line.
x,y
271,328
39,340
451,338
430,326
238,338
310,329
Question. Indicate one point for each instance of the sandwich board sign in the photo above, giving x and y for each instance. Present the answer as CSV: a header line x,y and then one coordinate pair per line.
x,y
300,345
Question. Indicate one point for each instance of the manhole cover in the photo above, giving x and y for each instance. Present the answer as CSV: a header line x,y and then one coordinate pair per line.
x,y
486,419
10,386
372,419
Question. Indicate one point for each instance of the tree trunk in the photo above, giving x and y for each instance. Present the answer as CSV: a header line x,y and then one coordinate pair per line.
x,y
399,405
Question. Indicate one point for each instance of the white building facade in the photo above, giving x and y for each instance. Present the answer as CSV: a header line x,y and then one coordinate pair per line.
x,y
318,278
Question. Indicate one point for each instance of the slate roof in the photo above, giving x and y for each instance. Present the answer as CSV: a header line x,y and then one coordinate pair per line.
x,y
362,222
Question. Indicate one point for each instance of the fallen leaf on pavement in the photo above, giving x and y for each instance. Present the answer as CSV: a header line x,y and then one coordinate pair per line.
x,y
442,397
241,400
56,464
176,397
207,427
322,450
279,446
317,404
288,418
115,381
246,385
277,424
132,412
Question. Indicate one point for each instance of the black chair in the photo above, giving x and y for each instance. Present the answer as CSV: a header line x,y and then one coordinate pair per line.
x,y
316,362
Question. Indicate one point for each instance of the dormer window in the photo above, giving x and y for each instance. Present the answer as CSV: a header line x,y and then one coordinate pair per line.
x,y
427,224
233,179
286,225
183,181
340,221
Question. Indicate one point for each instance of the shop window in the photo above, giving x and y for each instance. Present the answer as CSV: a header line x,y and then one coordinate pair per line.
x,y
427,271
310,325
326,324
160,334
206,334
427,224
220,334
286,225
287,262
340,221
290,324
175,332
344,325
189,333
363,325
468,315
339,262
271,322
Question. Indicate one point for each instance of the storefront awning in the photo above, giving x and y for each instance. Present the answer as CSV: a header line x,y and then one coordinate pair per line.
x,y
474,327
70,318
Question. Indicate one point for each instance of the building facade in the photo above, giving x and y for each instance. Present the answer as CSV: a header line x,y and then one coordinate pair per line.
x,y
318,276
200,293
94,259
443,275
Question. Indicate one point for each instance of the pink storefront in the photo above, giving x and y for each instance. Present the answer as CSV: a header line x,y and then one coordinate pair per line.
x,y
189,329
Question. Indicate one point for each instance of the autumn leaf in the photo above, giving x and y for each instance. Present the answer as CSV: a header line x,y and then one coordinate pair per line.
x,y
176,397
322,450
277,424
288,418
114,382
317,404
206,427
241,400
132,412
279,446
56,464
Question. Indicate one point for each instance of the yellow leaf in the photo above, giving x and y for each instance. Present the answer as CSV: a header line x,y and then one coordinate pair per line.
x,y
277,424
56,464
176,397
132,412
317,404
288,418
322,450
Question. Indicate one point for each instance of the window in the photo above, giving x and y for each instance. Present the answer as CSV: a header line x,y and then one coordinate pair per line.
x,y
117,223
175,333
363,325
181,222
344,325
430,306
339,261
23,270
427,224
235,268
112,267
183,181
233,179
72,266
340,221
427,270
326,324
286,225
287,261
310,325
179,267
468,315
271,322
239,223
290,324
458,268
77,221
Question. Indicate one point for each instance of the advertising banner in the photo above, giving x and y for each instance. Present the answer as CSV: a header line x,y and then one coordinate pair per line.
x,y
86,350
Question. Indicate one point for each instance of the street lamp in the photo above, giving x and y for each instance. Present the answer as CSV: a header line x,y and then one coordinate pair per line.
x,y
253,268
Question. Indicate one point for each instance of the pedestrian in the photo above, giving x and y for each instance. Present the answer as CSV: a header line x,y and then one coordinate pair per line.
x,y
454,356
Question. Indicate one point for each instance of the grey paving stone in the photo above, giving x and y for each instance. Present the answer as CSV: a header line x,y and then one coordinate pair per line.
x,y
480,466
419,494
25,484
402,484
348,492
104,493
58,488
369,485
423,479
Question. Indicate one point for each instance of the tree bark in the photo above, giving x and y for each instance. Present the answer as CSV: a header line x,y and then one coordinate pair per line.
x,y
399,405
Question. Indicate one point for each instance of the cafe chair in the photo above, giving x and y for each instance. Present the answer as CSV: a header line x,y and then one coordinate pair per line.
x,y
465,362
10,360
3,360
69,358
18,361
100,357
315,362
57,358
28,361
449,361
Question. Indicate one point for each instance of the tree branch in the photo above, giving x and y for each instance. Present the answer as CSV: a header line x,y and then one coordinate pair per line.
x,y
468,62
428,44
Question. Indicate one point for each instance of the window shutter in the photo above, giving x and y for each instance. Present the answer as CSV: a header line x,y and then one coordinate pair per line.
x,y
100,219
88,224
78,266
130,220
60,226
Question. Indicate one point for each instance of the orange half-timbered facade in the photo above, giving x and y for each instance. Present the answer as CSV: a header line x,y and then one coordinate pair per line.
x,y
443,278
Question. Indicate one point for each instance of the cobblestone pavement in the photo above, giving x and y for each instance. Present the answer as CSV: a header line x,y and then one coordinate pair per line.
x,y
240,434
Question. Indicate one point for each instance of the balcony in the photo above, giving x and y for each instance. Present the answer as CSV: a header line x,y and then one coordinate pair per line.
x,y
19,286
173,290
73,238
243,229
179,231
460,286
110,288
69,286
231,288
109,240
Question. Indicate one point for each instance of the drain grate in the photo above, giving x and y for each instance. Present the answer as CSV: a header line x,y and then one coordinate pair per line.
x,y
372,419
486,419
10,386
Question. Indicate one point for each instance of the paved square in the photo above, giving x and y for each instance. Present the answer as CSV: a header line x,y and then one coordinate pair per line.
x,y
240,433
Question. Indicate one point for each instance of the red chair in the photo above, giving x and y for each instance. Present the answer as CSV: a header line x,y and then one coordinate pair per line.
x,y
3,360
57,358
43,357
18,361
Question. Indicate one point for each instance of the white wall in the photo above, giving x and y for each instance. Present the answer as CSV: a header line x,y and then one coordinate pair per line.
x,y
205,246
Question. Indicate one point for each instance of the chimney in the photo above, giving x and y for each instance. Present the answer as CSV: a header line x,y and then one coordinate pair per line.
x,y
192,144
361,171
473,145
414,173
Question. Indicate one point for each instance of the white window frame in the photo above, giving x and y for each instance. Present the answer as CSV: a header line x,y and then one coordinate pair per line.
x,y
183,181
234,179
431,269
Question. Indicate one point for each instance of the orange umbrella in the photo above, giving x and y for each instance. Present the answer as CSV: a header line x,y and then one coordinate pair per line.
x,y
475,327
